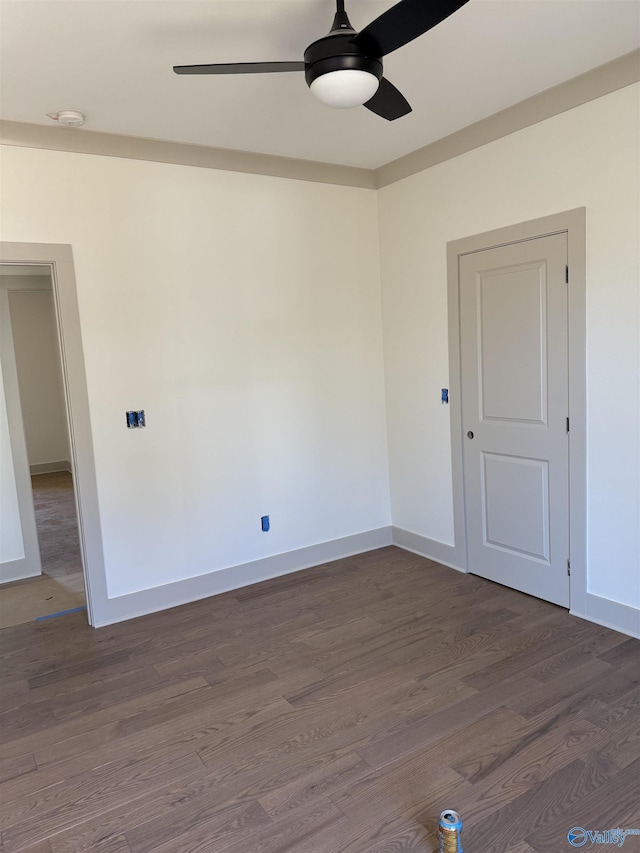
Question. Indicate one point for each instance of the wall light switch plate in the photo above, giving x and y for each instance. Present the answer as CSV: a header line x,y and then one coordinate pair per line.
x,y
135,419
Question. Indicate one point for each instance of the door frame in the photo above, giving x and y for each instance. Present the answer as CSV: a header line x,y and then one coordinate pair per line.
x,y
15,569
59,258
573,223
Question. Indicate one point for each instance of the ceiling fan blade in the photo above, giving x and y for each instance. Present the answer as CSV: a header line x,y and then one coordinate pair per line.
x,y
240,68
388,102
404,22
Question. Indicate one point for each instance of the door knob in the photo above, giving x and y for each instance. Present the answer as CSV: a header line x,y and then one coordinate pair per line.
x,y
469,434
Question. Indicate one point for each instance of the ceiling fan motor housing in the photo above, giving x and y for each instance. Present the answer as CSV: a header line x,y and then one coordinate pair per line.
x,y
338,53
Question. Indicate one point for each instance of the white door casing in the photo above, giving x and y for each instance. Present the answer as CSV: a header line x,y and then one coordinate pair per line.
x,y
26,564
59,259
514,370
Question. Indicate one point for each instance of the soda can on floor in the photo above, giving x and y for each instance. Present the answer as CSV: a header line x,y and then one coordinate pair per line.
x,y
450,832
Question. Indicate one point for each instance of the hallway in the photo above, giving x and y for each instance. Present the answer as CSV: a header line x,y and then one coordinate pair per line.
x,y
61,585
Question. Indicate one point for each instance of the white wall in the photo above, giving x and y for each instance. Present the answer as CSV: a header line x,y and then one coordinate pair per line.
x,y
585,157
243,314
39,372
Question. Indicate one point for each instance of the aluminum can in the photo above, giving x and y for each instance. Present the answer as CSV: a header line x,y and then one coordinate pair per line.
x,y
450,832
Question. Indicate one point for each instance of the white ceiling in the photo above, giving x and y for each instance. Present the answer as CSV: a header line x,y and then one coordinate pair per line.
x,y
112,59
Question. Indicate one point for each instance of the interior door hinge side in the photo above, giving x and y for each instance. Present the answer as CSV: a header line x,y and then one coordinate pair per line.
x,y
566,273
569,567
567,424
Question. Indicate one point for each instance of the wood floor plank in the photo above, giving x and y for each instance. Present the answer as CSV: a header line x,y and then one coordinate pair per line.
x,y
330,689
621,724
518,773
528,652
72,728
543,805
575,693
32,719
395,835
305,829
526,754
323,638
565,662
111,690
341,771
308,730
203,662
610,716
401,789
183,830
11,768
624,651
55,808
45,847
96,662
178,799
419,640
613,804
113,844
167,741
414,734
17,688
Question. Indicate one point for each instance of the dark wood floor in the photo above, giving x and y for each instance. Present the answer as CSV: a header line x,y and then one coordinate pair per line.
x,y
337,710
55,509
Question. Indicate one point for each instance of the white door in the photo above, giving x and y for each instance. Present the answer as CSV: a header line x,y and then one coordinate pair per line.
x,y
514,368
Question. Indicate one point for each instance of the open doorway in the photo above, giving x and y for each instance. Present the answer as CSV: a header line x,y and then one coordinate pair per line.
x,y
49,580
18,531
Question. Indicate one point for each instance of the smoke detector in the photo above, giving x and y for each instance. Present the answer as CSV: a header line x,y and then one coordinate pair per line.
x,y
68,118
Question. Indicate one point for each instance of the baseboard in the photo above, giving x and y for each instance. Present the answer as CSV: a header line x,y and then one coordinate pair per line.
x,y
425,547
50,467
13,570
135,604
611,614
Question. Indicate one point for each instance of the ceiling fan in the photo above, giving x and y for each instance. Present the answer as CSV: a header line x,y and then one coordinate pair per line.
x,y
344,68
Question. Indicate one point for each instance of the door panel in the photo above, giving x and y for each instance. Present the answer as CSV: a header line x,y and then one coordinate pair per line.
x,y
512,319
516,505
514,365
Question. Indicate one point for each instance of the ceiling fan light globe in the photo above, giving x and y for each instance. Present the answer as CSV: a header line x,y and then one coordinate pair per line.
x,y
346,88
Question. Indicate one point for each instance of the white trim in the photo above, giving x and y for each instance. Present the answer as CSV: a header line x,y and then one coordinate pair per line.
x,y
123,607
29,565
50,467
181,153
432,549
577,319
13,570
610,614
